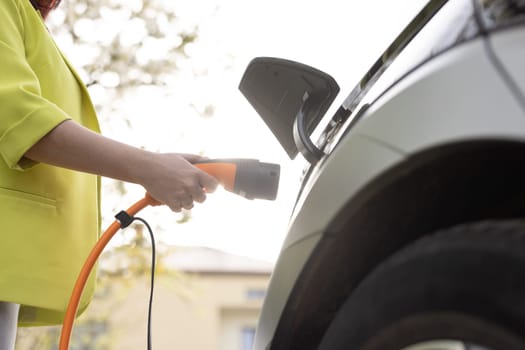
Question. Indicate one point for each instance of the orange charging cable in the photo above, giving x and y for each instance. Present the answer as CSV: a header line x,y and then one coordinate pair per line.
x,y
72,308
224,170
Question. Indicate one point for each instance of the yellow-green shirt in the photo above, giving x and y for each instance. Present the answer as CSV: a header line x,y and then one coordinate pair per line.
x,y
49,216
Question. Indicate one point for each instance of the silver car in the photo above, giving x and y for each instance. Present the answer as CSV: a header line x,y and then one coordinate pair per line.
x,y
408,231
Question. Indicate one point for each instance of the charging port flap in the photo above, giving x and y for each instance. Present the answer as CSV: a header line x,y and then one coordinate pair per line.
x,y
291,98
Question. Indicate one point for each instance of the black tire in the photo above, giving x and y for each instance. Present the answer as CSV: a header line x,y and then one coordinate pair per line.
x,y
466,283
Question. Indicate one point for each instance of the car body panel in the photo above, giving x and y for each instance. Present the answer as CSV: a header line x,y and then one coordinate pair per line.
x,y
511,55
448,113
290,263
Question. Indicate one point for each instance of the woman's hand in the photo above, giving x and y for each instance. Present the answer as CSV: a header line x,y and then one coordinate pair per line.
x,y
171,179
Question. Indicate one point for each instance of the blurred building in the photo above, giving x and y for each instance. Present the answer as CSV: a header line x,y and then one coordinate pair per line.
x,y
212,304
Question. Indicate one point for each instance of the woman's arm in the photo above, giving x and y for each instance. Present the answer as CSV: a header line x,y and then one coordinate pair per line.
x,y
168,177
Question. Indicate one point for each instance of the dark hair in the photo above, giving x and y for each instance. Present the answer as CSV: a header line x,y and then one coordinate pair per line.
x,y
45,6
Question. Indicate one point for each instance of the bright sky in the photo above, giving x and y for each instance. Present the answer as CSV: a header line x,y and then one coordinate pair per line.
x,y
342,38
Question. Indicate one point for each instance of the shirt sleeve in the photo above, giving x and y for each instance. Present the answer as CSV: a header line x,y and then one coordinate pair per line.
x,y
25,115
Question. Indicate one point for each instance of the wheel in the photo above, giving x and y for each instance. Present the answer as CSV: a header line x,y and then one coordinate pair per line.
x,y
463,285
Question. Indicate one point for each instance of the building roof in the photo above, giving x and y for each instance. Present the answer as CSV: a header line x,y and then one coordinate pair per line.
x,y
186,259
208,260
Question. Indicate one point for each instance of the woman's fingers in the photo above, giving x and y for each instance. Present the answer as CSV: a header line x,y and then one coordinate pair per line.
x,y
207,182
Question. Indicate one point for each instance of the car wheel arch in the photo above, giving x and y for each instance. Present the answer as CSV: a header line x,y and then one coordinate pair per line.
x,y
435,188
